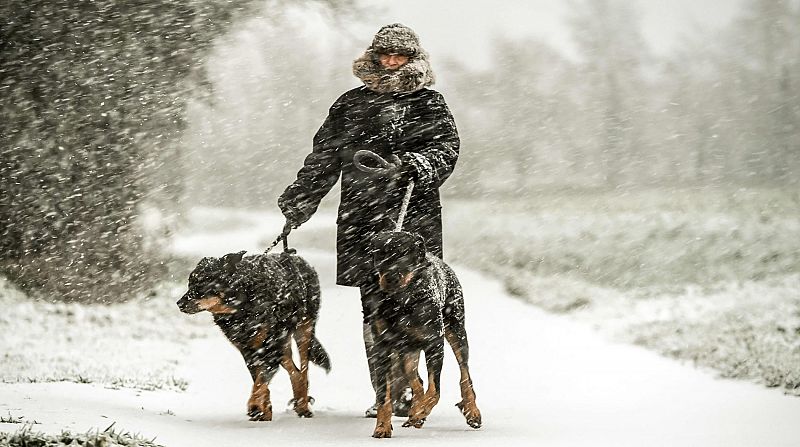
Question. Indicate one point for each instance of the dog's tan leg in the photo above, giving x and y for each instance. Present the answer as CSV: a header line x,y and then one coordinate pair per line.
x,y
431,397
468,405
294,373
259,407
411,370
304,335
383,426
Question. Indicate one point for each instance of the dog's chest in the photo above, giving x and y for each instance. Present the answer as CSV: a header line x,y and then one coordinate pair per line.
x,y
432,287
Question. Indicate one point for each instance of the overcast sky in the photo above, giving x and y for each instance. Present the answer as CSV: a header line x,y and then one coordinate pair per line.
x,y
458,27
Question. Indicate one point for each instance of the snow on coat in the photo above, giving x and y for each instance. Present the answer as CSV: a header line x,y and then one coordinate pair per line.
x,y
415,125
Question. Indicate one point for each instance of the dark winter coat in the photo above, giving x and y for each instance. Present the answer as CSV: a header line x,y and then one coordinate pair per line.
x,y
418,127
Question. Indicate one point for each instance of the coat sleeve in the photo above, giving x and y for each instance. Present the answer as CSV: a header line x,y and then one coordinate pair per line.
x,y
436,157
321,168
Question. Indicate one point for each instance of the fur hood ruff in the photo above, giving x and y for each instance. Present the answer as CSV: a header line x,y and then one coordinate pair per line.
x,y
415,75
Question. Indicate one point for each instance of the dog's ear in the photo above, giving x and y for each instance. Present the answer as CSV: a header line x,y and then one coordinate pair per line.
x,y
230,260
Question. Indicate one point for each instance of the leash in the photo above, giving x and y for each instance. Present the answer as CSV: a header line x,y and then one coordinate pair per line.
x,y
283,237
382,168
286,257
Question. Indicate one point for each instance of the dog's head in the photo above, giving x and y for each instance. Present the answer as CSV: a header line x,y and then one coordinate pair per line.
x,y
210,286
397,256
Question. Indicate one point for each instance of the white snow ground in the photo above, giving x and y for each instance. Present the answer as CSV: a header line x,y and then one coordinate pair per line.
x,y
540,380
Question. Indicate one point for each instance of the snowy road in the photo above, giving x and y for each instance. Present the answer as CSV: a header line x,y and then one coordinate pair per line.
x,y
541,380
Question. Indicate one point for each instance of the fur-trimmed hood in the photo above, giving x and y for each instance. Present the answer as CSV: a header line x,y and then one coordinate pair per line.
x,y
415,75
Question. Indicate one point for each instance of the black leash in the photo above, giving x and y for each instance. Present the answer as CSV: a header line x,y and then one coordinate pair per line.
x,y
382,168
284,236
286,258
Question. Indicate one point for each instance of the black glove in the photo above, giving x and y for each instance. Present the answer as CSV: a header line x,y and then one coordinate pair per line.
x,y
294,216
295,206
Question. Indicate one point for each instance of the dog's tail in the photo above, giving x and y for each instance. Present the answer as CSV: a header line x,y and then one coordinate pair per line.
x,y
318,356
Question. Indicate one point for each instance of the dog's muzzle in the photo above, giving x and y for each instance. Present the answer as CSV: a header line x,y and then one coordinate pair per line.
x,y
188,303
394,280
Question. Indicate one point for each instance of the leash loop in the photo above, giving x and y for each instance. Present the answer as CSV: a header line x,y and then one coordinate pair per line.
x,y
363,155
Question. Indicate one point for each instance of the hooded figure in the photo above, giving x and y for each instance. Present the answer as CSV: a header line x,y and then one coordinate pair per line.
x,y
393,113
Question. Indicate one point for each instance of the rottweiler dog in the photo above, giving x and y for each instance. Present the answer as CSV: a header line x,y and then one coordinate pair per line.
x,y
421,305
261,303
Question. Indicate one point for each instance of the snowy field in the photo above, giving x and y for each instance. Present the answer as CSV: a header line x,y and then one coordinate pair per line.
x,y
541,379
710,276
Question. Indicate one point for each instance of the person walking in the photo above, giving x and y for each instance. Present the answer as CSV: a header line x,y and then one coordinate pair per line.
x,y
395,115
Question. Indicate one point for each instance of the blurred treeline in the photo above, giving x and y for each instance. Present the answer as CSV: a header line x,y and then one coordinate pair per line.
x,y
93,109
723,108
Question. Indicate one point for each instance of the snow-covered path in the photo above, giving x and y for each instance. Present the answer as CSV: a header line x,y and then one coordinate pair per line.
x,y
540,380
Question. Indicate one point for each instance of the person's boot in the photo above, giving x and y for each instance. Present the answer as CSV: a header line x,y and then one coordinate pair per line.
x,y
372,412
402,404
400,407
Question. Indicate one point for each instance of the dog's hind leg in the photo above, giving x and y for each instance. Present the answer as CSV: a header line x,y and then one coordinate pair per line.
x,y
299,376
456,336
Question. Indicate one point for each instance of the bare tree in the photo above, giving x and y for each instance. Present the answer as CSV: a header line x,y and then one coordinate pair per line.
x,y
608,36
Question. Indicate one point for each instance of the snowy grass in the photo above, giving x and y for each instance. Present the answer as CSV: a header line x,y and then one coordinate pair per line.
x,y
644,240
26,437
136,344
706,275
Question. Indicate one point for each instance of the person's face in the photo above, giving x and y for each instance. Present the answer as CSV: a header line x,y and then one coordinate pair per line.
x,y
392,61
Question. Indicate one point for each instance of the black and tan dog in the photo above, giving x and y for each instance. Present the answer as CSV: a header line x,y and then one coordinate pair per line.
x,y
260,303
421,305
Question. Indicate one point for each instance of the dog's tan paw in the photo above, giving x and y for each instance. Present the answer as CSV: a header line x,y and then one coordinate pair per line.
x,y
412,422
263,414
471,413
382,431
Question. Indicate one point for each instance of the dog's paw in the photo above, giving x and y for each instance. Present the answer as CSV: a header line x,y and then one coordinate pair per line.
x,y
382,431
304,413
293,402
416,423
471,414
259,414
301,408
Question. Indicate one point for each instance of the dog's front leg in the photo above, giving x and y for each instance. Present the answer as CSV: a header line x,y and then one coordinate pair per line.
x,y
434,359
411,371
457,337
259,406
383,389
263,364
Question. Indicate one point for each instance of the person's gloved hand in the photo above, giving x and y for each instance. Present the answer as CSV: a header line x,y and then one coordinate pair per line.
x,y
294,207
294,216
391,168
